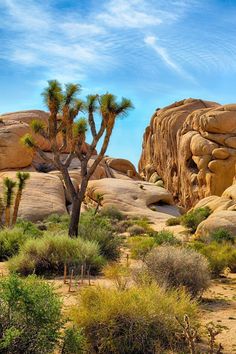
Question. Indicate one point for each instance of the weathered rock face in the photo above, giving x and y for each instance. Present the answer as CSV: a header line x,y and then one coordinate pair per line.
x,y
135,198
12,153
192,146
223,213
43,195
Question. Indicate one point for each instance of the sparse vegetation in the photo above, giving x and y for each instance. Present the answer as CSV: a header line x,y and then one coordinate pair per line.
x,y
140,246
111,212
222,236
174,267
173,221
165,237
193,218
134,321
219,256
136,230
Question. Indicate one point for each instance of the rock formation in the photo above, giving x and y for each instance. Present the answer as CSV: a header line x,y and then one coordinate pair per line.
x,y
135,198
223,212
191,145
45,193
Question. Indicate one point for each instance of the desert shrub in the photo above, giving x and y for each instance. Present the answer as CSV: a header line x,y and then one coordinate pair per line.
x,y
174,267
222,236
55,222
143,222
134,321
173,221
12,239
30,316
122,225
48,254
165,237
219,256
112,213
73,342
192,219
119,274
98,228
136,230
28,228
140,246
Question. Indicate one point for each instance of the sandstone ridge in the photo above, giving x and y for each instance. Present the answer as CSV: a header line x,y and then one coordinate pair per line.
x,y
191,145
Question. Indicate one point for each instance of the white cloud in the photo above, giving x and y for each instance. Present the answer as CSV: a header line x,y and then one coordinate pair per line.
x,y
162,52
131,14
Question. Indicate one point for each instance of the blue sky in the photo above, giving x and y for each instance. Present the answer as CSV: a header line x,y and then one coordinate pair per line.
x,y
151,51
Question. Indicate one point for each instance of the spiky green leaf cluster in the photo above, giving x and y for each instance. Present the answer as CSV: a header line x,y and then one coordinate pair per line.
x,y
9,186
22,178
28,141
109,105
80,127
37,126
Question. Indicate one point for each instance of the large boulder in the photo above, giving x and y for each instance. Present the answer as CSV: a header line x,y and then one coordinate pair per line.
x,y
12,152
223,213
192,146
43,195
135,198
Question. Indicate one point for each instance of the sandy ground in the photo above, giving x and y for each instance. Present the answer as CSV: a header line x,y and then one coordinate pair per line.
x,y
218,305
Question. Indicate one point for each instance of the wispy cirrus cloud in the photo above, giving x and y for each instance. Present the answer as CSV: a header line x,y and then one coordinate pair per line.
x,y
70,45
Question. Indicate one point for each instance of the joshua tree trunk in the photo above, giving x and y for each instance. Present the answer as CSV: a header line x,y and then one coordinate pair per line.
x,y
75,216
8,216
16,207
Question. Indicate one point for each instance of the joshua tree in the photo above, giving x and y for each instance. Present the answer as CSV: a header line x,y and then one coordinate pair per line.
x,y
1,211
9,186
65,133
22,178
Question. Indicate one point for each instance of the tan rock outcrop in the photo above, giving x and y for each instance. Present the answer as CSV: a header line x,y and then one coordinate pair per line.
x,y
223,213
135,198
12,153
42,196
191,146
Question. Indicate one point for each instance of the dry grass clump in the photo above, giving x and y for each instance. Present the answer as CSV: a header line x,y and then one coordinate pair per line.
x,y
134,321
174,267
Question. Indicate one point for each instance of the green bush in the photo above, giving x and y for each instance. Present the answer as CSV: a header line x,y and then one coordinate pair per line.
x,y
57,223
219,256
173,221
222,236
136,230
98,228
73,342
174,267
143,222
165,237
30,316
192,219
48,254
140,246
111,212
134,321
12,239
28,228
